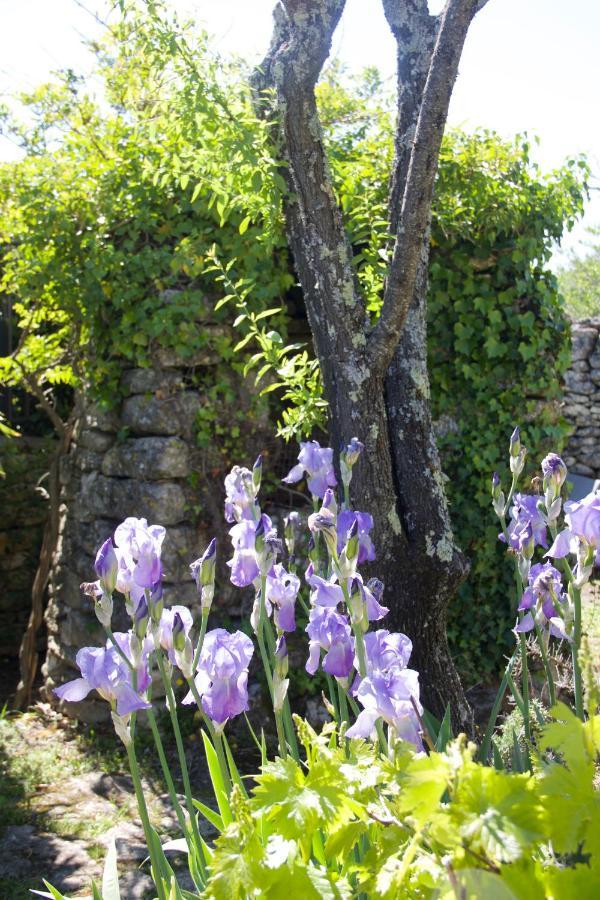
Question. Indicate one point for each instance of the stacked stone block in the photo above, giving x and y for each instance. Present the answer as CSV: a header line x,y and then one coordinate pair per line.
x,y
581,404
137,460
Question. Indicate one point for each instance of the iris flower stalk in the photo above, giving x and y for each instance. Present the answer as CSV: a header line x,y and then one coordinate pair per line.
x,y
575,595
519,587
172,707
267,657
215,736
155,862
165,765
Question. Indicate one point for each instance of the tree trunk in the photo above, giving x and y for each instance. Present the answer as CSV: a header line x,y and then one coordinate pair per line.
x,y
376,380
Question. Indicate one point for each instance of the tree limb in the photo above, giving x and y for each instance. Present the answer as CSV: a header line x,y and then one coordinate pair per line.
x,y
418,189
300,46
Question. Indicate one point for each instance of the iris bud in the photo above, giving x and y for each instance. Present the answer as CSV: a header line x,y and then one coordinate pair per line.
x,y
141,618
107,566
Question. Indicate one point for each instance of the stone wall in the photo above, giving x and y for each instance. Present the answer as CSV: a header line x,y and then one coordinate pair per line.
x,y
24,510
581,405
141,460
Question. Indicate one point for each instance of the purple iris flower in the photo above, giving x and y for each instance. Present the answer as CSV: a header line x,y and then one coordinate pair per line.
x,y
387,695
239,495
387,650
281,593
317,462
107,566
330,631
554,470
345,521
352,451
138,549
323,592
167,622
541,599
384,651
371,593
255,544
524,512
222,676
243,565
583,521
102,669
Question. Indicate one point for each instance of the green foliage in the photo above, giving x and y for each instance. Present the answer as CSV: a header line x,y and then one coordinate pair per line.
x,y
351,823
498,343
497,333
107,224
579,282
135,226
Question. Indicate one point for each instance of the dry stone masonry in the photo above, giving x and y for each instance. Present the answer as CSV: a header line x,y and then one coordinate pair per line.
x,y
140,460
581,405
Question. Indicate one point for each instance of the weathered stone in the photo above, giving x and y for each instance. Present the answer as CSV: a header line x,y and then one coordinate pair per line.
x,y
160,502
92,439
581,367
578,383
88,536
66,863
161,415
181,547
594,359
78,629
590,458
146,381
583,342
87,460
580,469
101,419
149,458
68,583
182,593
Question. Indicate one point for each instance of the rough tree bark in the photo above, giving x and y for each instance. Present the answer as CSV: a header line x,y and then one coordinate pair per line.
x,y
376,379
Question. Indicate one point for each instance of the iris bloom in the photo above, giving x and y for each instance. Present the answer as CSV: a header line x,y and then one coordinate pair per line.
x,y
524,512
330,631
222,675
102,669
387,695
317,463
345,521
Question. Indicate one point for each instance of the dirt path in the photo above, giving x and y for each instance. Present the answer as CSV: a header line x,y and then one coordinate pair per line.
x,y
63,798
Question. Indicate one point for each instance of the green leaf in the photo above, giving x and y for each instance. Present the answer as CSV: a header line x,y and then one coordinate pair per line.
x,y
210,815
217,780
110,875
476,884
244,225
245,340
445,732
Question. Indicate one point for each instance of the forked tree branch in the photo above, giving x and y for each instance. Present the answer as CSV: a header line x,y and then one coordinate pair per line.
x,y
299,48
413,218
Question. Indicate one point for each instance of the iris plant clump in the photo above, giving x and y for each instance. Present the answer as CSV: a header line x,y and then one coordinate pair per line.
x,y
548,595
372,694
